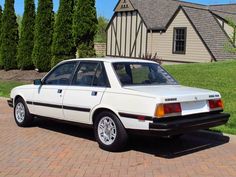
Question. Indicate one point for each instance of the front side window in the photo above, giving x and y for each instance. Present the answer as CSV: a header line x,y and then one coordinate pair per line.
x,y
142,74
179,41
61,75
90,74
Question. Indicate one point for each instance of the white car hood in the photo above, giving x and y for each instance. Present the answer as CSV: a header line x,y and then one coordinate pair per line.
x,y
173,93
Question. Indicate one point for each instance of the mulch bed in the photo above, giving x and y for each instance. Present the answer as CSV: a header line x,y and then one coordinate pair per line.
x,y
20,76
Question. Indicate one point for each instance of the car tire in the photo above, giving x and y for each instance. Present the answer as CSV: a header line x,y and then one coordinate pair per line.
x,y
22,116
110,132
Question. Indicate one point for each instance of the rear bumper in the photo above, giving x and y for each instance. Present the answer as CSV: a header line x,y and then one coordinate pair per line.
x,y
10,103
188,123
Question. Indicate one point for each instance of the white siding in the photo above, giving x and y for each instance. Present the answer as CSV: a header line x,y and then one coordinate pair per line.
x,y
220,21
118,33
109,41
162,43
144,40
138,39
228,29
127,34
133,33
123,33
113,47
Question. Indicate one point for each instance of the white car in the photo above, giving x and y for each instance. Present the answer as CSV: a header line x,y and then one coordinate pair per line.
x,y
116,96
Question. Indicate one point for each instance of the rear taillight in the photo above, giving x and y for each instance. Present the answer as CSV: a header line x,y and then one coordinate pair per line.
x,y
215,105
168,110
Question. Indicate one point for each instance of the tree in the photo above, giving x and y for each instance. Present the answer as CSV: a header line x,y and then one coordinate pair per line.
x,y
85,27
26,42
9,36
42,53
19,22
101,35
1,62
63,43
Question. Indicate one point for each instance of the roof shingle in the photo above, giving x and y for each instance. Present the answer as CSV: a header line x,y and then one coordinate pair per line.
x,y
157,14
210,31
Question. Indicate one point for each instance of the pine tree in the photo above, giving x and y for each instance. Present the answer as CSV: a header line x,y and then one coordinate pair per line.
x,y
85,27
26,42
9,36
1,62
63,43
42,53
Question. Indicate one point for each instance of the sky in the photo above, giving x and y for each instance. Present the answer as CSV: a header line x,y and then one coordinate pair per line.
x,y
105,7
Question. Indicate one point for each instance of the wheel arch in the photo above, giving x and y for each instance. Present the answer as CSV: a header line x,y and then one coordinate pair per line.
x,y
98,110
17,97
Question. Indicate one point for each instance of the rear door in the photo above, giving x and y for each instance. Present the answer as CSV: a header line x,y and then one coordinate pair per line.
x,y
48,97
85,92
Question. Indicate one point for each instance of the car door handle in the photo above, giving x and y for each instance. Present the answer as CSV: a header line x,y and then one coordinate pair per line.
x,y
59,91
94,93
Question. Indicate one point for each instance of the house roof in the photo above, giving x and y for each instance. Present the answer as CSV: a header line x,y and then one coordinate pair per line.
x,y
224,7
156,19
209,31
225,15
157,14
225,11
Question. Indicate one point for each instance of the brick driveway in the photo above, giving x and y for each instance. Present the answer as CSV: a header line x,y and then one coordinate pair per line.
x,y
54,149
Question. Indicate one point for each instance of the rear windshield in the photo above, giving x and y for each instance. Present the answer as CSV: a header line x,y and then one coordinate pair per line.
x,y
142,74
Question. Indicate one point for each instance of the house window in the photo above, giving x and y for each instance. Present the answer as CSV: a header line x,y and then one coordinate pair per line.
x,y
179,41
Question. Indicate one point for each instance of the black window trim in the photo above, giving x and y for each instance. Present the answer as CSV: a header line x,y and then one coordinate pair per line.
x,y
91,61
59,65
174,42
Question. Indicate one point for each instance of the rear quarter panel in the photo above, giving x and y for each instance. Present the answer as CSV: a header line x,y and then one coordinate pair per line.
x,y
130,103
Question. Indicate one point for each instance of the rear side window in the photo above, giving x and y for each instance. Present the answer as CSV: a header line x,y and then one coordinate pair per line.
x,y
142,74
90,74
61,75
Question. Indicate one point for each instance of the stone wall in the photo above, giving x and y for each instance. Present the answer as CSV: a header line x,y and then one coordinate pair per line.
x,y
100,49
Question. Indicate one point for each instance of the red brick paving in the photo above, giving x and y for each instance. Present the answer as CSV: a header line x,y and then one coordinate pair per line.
x,y
54,149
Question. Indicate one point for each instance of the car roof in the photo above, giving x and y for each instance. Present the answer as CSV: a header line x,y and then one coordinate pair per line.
x,y
111,60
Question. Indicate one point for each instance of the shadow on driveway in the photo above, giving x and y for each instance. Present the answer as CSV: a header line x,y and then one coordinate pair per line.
x,y
160,147
172,148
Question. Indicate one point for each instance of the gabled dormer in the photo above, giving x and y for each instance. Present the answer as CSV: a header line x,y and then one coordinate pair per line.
x,y
124,5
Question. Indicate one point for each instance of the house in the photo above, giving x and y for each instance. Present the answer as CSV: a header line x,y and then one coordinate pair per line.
x,y
177,31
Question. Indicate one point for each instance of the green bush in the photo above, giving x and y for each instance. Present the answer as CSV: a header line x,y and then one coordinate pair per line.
x,y
86,51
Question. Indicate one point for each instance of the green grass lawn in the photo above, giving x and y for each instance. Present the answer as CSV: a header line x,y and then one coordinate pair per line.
x,y
6,86
220,76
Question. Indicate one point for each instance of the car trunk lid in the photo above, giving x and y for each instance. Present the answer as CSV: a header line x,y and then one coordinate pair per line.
x,y
192,100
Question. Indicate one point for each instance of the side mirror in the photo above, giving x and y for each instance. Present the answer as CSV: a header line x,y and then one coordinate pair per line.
x,y
38,82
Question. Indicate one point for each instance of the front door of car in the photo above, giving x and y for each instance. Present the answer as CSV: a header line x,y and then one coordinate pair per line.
x,y
85,92
48,97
